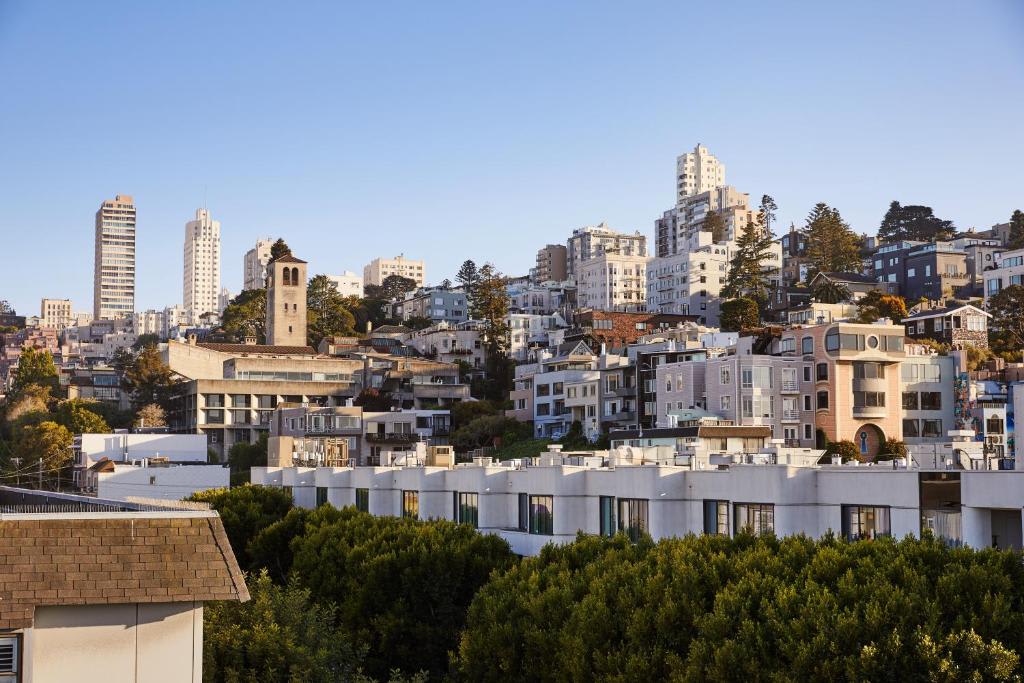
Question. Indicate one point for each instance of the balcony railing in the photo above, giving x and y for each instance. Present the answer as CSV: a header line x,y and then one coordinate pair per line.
x,y
790,415
392,437
790,386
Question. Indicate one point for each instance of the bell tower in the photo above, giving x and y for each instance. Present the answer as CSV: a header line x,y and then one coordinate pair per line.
x,y
286,302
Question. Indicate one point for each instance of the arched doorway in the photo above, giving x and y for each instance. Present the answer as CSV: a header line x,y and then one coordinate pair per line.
x,y
869,439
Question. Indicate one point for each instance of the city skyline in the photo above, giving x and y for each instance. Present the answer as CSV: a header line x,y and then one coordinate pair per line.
x,y
411,147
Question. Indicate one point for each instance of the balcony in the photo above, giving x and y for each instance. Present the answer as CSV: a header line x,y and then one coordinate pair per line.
x,y
393,437
790,415
790,387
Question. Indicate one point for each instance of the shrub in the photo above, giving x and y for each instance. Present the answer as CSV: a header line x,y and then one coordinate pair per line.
x,y
245,511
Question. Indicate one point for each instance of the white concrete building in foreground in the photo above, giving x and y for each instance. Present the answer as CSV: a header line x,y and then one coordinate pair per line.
x,y
683,484
154,480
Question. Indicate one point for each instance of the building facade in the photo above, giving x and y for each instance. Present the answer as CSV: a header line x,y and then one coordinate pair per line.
x,y
56,313
592,241
613,281
348,283
551,264
201,276
286,302
114,267
254,268
377,270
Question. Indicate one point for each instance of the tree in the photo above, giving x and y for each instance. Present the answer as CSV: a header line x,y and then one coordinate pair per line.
x,y
402,586
150,379
831,246
77,416
280,634
831,292
271,550
1016,237
845,449
31,404
738,314
244,456
35,366
913,223
246,511
246,316
145,340
481,431
326,314
373,400
392,288
715,224
892,448
490,302
46,448
278,249
1007,309
446,284
150,415
875,305
766,213
417,322
367,311
747,277
468,277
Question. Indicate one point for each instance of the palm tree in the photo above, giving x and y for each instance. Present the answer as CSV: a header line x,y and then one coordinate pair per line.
x,y
831,292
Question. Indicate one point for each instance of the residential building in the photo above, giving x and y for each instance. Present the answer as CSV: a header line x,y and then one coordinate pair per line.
x,y
56,313
619,329
935,271
572,365
689,282
450,343
819,313
89,449
114,268
98,382
698,171
613,281
377,270
435,304
13,344
544,298
254,268
957,326
592,241
927,395
529,332
1009,270
286,302
647,358
223,299
795,264
980,255
201,276
154,479
348,283
856,284
552,264
132,576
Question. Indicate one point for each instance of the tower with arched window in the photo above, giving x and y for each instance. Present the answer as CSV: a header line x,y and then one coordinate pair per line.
x,y
286,302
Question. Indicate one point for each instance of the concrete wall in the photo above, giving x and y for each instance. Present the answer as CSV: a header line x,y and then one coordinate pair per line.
x,y
175,447
166,483
131,643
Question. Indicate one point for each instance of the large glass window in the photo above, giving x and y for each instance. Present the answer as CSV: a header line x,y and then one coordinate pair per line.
x,y
931,428
807,345
868,399
633,517
542,515
911,429
822,400
411,504
821,372
467,508
524,512
910,400
606,506
864,522
755,518
863,370
931,400
758,377
321,495
832,340
363,500
716,517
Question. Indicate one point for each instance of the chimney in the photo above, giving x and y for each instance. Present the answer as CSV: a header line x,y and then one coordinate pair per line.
x,y
250,340
192,339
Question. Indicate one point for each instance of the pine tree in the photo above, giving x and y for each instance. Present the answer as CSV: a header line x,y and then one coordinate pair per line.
x,y
468,277
913,222
278,249
1016,238
715,224
747,276
832,247
766,212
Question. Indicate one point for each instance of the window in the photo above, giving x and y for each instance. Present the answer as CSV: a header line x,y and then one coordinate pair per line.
x,y
807,402
994,425
808,434
556,389
868,399
911,429
716,517
467,508
821,372
543,408
363,500
864,522
910,400
411,504
524,512
931,400
757,407
542,515
543,389
787,345
807,373
832,340
755,518
863,370
822,400
606,505
321,495
725,376
726,402
807,345
633,517
756,377
10,667
931,428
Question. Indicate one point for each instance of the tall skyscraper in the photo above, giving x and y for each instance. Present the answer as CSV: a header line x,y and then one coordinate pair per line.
x,y
698,171
255,269
201,281
113,288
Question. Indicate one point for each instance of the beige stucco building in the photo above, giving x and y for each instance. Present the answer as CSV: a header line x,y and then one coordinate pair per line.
x,y
613,281
377,270
286,302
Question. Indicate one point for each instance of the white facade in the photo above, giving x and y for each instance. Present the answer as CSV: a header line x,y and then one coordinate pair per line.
x,y
698,171
254,268
526,331
1010,271
56,313
223,299
689,283
613,281
125,448
201,276
114,268
377,270
349,284
143,481
593,240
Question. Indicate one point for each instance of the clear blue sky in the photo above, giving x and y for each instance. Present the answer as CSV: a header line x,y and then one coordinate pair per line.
x,y
454,130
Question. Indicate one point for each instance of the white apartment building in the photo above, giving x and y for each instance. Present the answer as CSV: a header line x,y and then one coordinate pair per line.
x,y
223,299
613,281
375,272
201,276
254,268
926,384
528,331
689,282
349,284
591,241
114,266
698,171
1009,271
159,322
450,343
56,314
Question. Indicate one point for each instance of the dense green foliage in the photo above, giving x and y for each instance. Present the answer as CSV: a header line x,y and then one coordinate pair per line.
x,y
1007,309
747,276
738,314
246,316
875,305
149,378
913,222
242,457
246,511
35,367
711,608
831,245
326,312
1016,236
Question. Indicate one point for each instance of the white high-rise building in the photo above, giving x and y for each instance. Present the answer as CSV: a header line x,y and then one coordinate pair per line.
x,y
201,281
349,284
379,269
255,268
698,171
223,299
114,266
593,240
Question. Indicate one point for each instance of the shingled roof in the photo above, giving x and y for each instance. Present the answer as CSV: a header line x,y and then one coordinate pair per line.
x,y
112,558
259,348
